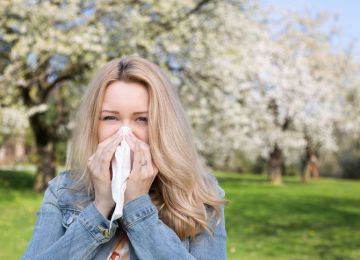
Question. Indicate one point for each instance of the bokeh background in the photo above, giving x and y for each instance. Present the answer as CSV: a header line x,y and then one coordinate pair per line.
x,y
271,88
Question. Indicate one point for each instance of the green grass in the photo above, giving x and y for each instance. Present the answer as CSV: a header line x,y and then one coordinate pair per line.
x,y
317,220
18,205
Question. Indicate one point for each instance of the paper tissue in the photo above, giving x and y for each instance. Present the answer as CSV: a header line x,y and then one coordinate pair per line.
x,y
121,167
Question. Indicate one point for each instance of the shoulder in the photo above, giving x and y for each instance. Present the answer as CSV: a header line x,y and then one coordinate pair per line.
x,y
63,186
220,191
62,180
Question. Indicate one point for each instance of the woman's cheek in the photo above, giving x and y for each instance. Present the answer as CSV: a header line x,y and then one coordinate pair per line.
x,y
105,131
143,135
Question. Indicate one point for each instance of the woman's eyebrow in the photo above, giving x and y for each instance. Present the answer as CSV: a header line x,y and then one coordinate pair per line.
x,y
116,112
143,112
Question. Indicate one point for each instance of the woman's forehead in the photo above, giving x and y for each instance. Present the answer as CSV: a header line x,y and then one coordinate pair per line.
x,y
123,96
117,112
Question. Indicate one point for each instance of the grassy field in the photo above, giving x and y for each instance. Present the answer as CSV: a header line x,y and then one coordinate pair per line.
x,y
18,205
317,220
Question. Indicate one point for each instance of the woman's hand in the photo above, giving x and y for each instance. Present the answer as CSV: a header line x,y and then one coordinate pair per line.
x,y
143,170
99,166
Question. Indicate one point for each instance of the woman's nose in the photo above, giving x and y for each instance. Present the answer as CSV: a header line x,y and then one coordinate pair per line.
x,y
126,128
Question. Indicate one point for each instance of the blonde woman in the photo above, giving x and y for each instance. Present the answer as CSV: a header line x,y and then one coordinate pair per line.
x,y
173,208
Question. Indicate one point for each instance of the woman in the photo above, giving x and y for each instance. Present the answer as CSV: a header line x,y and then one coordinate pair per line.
x,y
173,208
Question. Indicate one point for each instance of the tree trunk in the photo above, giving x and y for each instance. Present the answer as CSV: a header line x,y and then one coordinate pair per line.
x,y
311,168
45,147
306,172
46,166
275,164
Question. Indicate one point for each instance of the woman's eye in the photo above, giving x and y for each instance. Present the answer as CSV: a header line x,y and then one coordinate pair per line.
x,y
143,119
112,118
109,118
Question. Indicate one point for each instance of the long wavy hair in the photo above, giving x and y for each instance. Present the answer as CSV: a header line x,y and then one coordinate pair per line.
x,y
183,188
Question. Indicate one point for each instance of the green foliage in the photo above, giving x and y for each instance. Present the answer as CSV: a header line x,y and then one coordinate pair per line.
x,y
344,163
61,153
350,160
317,220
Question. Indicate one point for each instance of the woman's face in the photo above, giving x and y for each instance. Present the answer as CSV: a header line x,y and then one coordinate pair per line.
x,y
124,104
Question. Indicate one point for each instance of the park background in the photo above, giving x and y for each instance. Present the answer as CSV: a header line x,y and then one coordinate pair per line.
x,y
271,88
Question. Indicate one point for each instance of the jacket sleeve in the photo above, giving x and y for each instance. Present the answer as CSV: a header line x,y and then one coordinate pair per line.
x,y
152,239
50,240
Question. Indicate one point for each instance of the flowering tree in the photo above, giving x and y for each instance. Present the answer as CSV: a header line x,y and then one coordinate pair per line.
x,y
301,89
330,71
44,46
282,92
49,49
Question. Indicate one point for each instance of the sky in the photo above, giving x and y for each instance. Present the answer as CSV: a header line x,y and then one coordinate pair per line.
x,y
348,12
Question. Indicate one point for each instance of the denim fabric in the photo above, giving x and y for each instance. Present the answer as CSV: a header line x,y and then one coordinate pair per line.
x,y
69,226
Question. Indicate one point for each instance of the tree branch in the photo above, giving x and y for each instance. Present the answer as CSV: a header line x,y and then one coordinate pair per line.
x,y
54,84
171,24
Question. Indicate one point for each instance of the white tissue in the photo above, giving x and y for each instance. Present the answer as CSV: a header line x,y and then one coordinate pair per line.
x,y
121,167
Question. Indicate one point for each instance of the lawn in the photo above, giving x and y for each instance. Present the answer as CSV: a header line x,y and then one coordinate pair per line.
x,y
317,220
18,205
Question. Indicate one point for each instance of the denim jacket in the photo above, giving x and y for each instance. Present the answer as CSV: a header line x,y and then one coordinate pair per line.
x,y
69,226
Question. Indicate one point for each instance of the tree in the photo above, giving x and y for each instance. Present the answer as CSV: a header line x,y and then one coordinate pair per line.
x,y
13,122
294,79
49,48
300,90
44,46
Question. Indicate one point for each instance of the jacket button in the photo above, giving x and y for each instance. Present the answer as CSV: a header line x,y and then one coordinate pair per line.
x,y
105,232
69,220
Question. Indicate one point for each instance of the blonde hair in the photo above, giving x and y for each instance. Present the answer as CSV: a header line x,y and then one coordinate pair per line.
x,y
183,188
